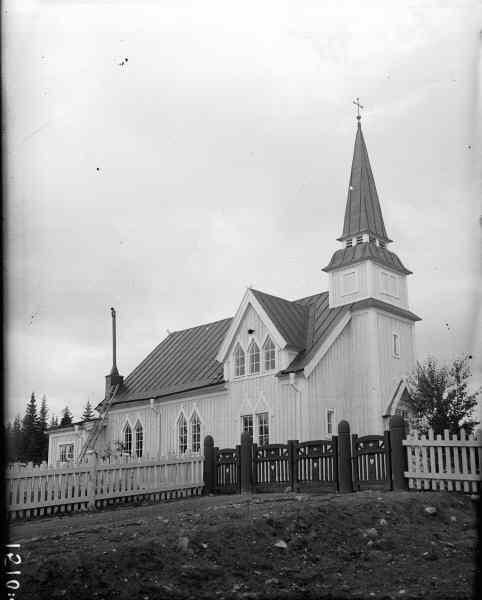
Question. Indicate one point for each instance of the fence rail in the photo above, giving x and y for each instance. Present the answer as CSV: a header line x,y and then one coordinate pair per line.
x,y
447,462
42,490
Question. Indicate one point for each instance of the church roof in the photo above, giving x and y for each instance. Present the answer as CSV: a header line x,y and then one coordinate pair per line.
x,y
363,213
290,318
186,360
363,251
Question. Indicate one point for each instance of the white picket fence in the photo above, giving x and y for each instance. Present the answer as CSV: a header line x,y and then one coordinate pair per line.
x,y
42,490
447,462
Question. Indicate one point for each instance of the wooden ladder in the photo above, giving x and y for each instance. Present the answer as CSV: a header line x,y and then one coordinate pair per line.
x,y
95,431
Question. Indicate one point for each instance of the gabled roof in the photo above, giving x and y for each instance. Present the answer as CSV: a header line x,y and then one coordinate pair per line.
x,y
363,251
363,213
185,360
288,317
321,320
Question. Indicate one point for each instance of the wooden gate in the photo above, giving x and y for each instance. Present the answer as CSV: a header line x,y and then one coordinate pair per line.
x,y
271,467
228,470
316,467
371,462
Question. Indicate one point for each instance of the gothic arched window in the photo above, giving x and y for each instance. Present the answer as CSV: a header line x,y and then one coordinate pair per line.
x,y
253,358
195,432
269,355
139,440
182,434
239,368
128,439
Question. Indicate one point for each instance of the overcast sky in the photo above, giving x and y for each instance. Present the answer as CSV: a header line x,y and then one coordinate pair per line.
x,y
162,156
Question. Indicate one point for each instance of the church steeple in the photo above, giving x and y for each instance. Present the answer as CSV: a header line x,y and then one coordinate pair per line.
x,y
364,268
363,214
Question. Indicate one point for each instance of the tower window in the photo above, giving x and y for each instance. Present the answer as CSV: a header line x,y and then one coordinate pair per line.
x,y
396,345
349,283
371,239
349,243
330,421
359,239
381,244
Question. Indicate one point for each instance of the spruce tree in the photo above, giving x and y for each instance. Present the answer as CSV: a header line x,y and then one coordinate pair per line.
x,y
16,440
54,422
88,413
66,417
29,452
42,437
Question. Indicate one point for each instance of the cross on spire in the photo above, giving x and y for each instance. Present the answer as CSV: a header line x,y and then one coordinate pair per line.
x,y
358,106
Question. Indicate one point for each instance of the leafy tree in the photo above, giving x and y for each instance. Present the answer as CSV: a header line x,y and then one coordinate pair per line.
x,y
66,419
439,396
29,450
88,413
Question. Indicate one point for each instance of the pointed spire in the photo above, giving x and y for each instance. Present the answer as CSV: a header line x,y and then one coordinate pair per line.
x,y
363,213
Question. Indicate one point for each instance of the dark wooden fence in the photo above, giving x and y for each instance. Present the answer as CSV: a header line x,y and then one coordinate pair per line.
x,y
341,464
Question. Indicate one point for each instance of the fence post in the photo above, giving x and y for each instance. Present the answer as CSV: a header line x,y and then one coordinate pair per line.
x,y
92,483
345,483
293,464
209,468
246,460
399,453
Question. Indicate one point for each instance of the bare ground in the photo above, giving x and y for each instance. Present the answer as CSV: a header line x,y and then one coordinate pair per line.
x,y
364,545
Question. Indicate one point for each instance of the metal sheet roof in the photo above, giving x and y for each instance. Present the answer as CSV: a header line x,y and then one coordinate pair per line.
x,y
363,213
183,360
363,251
288,317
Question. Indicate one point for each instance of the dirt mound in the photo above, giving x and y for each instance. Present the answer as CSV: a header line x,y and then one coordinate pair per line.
x,y
366,545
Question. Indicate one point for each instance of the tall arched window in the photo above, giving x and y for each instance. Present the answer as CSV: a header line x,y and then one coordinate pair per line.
x,y
195,432
239,367
139,440
269,355
128,439
182,434
253,358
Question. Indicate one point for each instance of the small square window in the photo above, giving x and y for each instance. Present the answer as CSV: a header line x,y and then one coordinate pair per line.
x,y
66,452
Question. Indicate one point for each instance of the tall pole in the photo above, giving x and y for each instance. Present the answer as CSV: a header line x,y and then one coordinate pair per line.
x,y
114,357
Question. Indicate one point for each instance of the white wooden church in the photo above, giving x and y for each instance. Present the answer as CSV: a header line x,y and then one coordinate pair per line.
x,y
280,369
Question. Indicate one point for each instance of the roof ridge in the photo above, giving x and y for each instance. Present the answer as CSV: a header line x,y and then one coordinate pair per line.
x,y
311,296
201,325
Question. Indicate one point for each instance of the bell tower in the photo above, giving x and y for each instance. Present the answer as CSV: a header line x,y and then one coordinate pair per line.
x,y
371,280
364,268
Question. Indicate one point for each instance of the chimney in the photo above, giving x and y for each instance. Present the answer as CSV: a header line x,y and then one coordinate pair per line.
x,y
113,378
